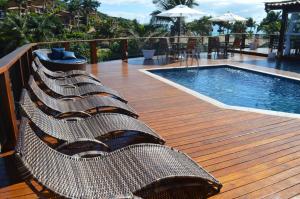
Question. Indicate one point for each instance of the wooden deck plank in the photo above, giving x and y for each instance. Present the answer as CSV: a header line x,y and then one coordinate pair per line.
x,y
253,155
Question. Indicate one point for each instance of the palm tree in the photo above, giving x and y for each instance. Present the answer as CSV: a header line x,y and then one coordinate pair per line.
x,y
271,23
250,23
163,5
44,27
14,31
88,7
202,26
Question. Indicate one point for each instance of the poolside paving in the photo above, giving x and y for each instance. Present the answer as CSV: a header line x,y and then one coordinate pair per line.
x,y
253,155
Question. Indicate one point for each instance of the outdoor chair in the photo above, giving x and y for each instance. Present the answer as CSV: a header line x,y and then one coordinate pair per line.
x,y
84,107
215,46
63,74
237,44
81,91
65,81
295,47
191,51
112,129
144,170
166,50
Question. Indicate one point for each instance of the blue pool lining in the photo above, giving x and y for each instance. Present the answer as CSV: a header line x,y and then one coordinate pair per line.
x,y
214,101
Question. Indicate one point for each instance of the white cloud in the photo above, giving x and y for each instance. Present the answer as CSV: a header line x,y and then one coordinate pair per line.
x,y
140,17
245,8
128,2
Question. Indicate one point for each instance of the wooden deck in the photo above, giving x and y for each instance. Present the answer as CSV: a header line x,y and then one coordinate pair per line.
x,y
253,155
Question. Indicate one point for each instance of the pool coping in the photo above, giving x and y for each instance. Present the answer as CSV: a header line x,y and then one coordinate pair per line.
x,y
214,101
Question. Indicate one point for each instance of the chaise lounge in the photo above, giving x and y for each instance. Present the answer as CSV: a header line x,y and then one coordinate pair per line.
x,y
75,91
68,106
64,81
113,129
64,74
145,170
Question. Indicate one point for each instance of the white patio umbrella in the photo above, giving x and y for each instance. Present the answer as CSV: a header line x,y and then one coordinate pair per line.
x,y
180,11
228,17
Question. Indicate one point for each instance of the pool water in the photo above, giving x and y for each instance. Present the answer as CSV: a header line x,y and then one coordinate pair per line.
x,y
292,66
239,87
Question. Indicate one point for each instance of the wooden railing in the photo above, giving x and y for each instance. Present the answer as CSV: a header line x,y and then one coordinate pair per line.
x,y
14,73
15,69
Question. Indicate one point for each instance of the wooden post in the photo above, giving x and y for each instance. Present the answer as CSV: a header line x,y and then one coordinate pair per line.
x,y
125,50
26,65
209,47
66,45
243,44
282,33
227,36
21,71
7,113
271,43
93,52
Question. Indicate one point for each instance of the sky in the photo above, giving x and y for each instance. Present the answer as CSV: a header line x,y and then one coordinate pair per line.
x,y
141,9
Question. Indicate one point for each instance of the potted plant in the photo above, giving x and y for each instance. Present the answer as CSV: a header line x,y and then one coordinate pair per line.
x,y
144,37
147,48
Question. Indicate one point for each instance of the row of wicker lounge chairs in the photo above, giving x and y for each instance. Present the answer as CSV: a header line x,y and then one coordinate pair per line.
x,y
101,149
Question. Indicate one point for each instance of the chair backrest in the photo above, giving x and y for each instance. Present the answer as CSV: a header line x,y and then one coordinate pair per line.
x,y
40,94
164,44
192,44
236,43
40,66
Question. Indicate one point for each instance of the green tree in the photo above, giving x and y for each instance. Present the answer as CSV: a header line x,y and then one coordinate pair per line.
x,y
202,26
44,27
74,7
271,23
3,4
14,32
88,7
239,27
251,24
222,26
163,5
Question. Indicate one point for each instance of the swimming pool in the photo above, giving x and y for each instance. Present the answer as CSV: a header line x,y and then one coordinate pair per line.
x,y
236,87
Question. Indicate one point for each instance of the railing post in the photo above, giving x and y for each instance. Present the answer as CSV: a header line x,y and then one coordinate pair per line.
x,y
7,112
66,45
227,36
282,33
25,66
125,50
21,71
271,43
243,44
209,47
93,52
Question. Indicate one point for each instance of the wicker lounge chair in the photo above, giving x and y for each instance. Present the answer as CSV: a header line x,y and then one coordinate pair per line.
x,y
67,107
64,74
75,91
65,80
142,170
113,129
